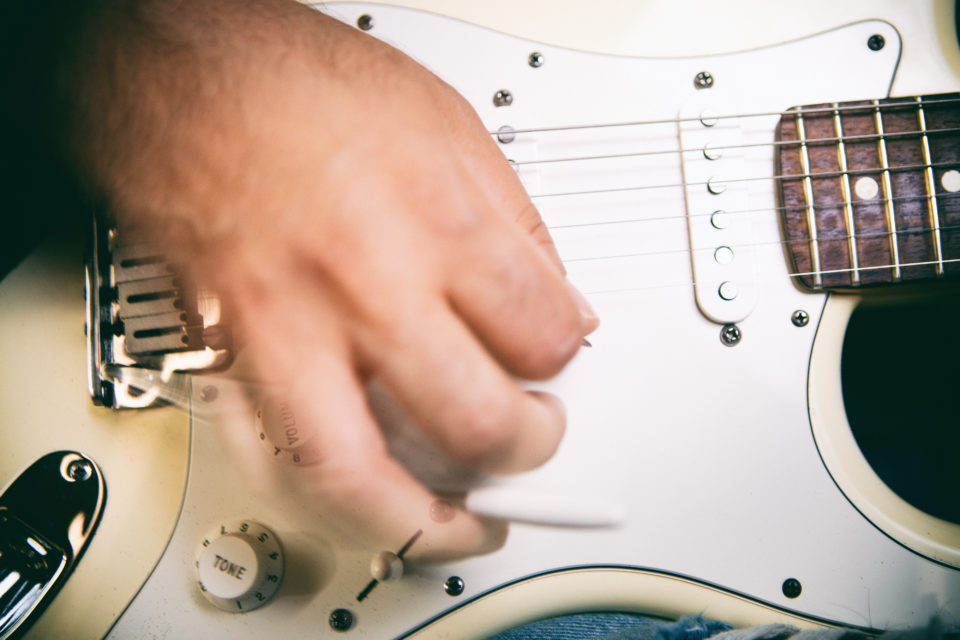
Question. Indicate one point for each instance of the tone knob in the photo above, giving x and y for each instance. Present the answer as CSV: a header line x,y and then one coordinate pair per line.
x,y
241,567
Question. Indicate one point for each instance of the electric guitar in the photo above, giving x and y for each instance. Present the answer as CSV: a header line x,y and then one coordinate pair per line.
x,y
727,215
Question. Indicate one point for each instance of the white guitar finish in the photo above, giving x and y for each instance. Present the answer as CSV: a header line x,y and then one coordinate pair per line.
x,y
708,447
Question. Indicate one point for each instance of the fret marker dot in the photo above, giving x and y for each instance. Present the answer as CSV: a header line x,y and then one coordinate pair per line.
x,y
951,181
866,188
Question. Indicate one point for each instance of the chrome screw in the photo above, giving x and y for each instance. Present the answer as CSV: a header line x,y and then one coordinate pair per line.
x,y
535,60
800,318
791,588
502,98
506,135
876,42
365,22
79,470
453,586
703,80
730,335
341,620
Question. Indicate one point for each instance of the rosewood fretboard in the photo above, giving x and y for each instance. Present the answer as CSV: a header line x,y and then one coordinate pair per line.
x,y
870,190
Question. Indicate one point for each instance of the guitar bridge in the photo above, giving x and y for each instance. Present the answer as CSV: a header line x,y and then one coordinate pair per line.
x,y
143,312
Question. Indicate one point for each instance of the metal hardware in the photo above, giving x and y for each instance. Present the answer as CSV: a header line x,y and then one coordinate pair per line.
x,y
876,42
453,586
142,313
730,335
728,290
365,22
48,515
800,318
502,98
716,186
792,588
341,620
535,60
709,118
78,470
719,219
703,80
506,135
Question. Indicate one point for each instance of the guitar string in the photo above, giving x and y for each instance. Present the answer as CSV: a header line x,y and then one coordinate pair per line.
x,y
806,111
858,138
826,110
883,235
776,279
739,180
753,212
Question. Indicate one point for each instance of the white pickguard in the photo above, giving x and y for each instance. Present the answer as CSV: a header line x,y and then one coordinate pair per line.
x,y
709,448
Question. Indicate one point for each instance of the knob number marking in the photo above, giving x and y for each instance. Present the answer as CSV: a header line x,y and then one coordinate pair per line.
x,y
241,567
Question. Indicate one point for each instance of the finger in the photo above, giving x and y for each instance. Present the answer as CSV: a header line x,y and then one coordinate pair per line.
x,y
466,404
529,317
486,164
367,495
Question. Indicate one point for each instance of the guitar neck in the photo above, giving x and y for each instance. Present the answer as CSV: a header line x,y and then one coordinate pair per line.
x,y
870,191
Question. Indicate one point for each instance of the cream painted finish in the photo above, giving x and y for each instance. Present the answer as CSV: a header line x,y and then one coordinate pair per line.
x,y
143,455
902,521
609,589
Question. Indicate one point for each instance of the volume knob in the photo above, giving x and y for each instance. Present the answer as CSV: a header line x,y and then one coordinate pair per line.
x,y
241,567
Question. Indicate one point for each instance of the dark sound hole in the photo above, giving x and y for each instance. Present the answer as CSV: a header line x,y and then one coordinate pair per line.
x,y
900,390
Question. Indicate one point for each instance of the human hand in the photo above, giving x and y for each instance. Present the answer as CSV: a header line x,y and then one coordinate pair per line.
x,y
362,225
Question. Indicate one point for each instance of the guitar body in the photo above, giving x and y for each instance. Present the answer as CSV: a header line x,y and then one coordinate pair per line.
x,y
724,458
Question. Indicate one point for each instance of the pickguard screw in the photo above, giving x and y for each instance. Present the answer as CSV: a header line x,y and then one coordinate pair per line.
x,y
703,80
502,98
730,335
365,22
791,587
800,318
505,134
876,42
453,586
341,620
209,393
79,470
535,60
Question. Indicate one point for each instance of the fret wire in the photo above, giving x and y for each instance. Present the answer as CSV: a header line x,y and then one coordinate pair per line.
x,y
890,106
931,188
887,185
847,198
